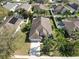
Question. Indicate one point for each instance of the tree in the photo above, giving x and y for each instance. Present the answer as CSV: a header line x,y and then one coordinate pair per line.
x,y
48,45
6,44
37,10
76,47
67,13
23,12
67,49
10,13
27,27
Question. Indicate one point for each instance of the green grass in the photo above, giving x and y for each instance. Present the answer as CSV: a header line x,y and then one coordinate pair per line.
x,y
77,14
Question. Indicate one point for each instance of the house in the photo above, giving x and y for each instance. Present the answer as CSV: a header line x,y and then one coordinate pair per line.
x,y
13,22
71,26
25,6
58,9
73,7
11,6
41,27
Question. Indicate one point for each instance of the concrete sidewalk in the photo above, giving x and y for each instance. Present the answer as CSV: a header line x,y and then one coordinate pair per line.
x,y
35,49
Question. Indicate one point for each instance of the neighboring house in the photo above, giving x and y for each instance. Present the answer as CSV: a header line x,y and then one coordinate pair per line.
x,y
11,6
73,7
14,22
58,9
71,26
41,27
25,6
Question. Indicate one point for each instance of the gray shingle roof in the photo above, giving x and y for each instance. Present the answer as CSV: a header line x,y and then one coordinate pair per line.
x,y
71,25
40,26
58,9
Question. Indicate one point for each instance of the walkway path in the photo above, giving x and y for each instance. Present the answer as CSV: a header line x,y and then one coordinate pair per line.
x,y
35,49
41,57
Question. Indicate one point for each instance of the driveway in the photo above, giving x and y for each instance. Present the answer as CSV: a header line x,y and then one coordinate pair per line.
x,y
35,49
